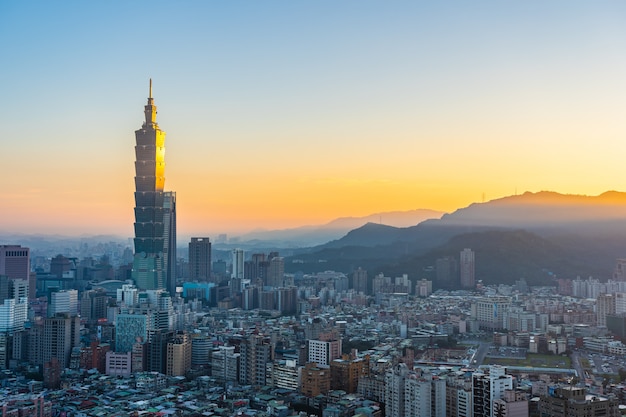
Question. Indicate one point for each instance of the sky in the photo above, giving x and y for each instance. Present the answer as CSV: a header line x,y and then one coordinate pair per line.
x,y
287,113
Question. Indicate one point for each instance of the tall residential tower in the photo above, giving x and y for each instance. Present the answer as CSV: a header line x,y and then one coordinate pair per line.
x,y
154,208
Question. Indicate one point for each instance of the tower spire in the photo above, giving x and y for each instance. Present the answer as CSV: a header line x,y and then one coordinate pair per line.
x,y
150,110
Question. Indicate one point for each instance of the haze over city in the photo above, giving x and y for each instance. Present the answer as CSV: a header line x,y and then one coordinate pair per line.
x,y
281,114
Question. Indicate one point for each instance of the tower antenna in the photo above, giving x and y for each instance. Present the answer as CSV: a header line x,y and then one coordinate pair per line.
x,y
150,95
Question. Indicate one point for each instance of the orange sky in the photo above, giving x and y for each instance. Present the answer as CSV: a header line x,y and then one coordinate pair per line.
x,y
284,116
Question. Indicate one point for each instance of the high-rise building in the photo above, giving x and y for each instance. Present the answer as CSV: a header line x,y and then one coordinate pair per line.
x,y
466,268
488,387
128,328
65,301
605,305
237,269
15,261
60,334
178,354
359,281
149,265
169,240
200,259
276,272
447,272
323,352
414,393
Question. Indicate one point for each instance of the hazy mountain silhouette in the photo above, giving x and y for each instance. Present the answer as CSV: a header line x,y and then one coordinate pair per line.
x,y
306,236
529,235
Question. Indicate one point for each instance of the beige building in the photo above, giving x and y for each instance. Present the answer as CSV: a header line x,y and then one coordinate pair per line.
x,y
178,355
315,380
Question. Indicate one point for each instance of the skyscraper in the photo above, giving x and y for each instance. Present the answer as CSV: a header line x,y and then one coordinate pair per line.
x,y
200,259
466,266
237,269
169,250
15,261
149,262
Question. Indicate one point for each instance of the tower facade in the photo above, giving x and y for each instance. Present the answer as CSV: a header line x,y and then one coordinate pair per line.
x,y
149,267
169,234
15,261
200,259
466,267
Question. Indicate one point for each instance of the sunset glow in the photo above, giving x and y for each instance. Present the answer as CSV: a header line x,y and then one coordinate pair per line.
x,y
285,114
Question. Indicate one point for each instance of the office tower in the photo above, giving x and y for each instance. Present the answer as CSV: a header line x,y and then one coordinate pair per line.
x,y
414,393
59,265
224,364
128,328
466,268
237,269
423,288
488,387
93,305
605,305
169,241
256,351
65,301
149,259
619,273
201,347
13,304
60,334
490,311
323,352
447,272
156,350
275,272
200,259
15,261
359,281
178,354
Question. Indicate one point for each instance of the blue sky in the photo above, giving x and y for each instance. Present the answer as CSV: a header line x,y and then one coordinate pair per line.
x,y
288,113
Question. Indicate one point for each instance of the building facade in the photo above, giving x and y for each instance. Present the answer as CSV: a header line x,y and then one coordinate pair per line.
x,y
149,265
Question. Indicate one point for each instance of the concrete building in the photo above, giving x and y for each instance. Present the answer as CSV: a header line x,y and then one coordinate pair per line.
x,y
570,401
323,352
64,301
359,281
512,404
315,380
489,312
225,364
15,261
488,387
178,355
128,328
60,334
200,259
119,364
466,268
237,269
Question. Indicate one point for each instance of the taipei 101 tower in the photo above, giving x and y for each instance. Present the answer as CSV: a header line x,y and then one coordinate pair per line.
x,y
155,209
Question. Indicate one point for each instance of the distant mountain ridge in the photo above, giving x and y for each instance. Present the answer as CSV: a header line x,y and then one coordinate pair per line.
x,y
306,236
532,235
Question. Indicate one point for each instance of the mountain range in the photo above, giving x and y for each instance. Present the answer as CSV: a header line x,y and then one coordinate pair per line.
x,y
536,236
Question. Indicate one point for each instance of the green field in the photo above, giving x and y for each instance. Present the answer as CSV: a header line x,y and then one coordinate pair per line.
x,y
533,360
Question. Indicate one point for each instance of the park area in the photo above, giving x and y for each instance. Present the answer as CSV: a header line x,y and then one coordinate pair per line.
x,y
533,360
